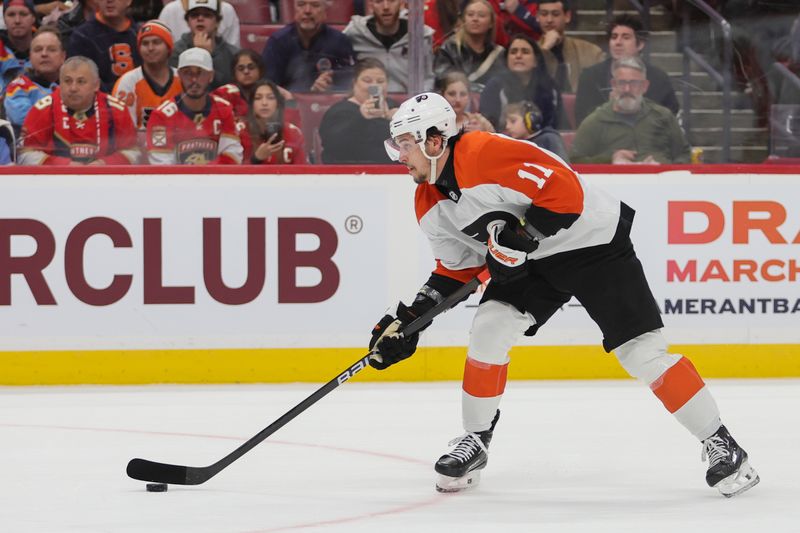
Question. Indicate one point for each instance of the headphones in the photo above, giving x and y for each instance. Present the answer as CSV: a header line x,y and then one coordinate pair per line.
x,y
532,117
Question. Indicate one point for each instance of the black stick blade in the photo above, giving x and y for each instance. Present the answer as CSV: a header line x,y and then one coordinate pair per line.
x,y
145,470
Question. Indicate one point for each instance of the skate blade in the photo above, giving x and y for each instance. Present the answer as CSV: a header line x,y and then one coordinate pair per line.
x,y
457,484
744,479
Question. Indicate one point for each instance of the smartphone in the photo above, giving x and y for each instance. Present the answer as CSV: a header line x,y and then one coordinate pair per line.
x,y
376,93
271,129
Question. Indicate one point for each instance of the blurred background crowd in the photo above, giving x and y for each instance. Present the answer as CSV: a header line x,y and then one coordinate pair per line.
x,y
317,81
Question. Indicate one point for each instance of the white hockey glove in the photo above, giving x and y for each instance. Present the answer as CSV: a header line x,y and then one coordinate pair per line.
x,y
507,252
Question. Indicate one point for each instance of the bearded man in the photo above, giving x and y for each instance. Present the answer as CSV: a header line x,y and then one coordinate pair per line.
x,y
630,128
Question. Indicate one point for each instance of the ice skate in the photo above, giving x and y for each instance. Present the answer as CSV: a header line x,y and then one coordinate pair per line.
x,y
461,467
728,468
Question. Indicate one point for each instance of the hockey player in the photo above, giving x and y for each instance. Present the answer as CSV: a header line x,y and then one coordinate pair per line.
x,y
78,124
145,88
194,127
545,235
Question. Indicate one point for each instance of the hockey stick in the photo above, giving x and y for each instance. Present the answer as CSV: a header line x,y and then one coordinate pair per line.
x,y
145,470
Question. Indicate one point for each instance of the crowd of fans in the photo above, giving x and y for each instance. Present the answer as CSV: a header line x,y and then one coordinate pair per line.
x,y
94,84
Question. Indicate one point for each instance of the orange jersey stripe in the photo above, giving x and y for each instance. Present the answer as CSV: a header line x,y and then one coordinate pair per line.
x,y
483,380
677,385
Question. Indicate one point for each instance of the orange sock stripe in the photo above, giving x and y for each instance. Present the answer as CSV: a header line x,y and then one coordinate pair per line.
x,y
483,380
677,385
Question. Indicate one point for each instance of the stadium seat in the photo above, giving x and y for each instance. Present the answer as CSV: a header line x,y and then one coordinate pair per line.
x,y
339,12
252,11
569,108
312,107
255,36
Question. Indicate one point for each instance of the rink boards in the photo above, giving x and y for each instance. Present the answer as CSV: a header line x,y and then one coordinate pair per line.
x,y
233,276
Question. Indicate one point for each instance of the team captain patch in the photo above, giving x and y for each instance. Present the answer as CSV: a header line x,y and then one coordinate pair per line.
x,y
159,136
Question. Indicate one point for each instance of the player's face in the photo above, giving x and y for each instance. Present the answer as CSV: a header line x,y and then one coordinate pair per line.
x,y
309,14
551,16
264,102
153,50
477,18
387,12
628,86
79,84
623,43
515,127
47,55
246,71
195,81
410,154
113,9
520,56
369,77
202,20
457,95
19,21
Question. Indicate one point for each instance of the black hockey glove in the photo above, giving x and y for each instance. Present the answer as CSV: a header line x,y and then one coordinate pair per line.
x,y
387,346
507,252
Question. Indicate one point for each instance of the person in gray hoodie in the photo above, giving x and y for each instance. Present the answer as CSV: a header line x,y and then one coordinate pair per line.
x,y
384,36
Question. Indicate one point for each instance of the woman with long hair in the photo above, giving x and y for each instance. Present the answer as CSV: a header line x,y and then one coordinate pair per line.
x,y
353,129
525,79
454,86
472,49
270,138
442,16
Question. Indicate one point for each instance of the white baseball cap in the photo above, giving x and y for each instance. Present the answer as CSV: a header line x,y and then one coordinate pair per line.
x,y
196,57
213,5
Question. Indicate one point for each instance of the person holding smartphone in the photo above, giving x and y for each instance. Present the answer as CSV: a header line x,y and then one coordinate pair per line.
x,y
271,139
351,129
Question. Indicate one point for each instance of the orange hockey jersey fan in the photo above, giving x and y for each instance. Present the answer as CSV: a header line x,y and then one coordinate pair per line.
x,y
142,95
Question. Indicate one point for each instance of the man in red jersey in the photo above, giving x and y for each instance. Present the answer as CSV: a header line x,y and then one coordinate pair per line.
x,y
546,235
78,124
194,127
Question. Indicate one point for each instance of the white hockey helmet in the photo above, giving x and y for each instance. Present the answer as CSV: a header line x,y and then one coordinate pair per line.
x,y
418,114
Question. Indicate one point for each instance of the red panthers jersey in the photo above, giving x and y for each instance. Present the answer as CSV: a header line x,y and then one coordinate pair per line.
x,y
177,135
55,135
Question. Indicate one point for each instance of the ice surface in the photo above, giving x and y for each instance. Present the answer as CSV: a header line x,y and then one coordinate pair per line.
x,y
590,456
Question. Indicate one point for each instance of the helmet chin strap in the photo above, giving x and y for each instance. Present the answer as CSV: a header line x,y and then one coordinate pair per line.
x,y
433,159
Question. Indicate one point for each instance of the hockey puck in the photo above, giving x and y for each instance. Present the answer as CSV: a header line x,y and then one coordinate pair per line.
x,y
156,487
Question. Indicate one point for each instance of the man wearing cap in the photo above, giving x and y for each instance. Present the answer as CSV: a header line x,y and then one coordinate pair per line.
x,y
47,56
78,124
203,17
174,16
15,41
144,88
109,40
194,127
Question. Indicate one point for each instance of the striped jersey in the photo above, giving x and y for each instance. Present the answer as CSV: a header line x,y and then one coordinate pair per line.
x,y
142,95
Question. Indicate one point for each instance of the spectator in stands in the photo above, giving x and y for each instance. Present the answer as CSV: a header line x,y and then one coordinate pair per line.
x,y
272,139
194,128
454,86
19,17
308,55
442,17
248,68
472,49
353,130
7,143
47,56
144,88
109,40
384,35
78,124
626,38
629,128
515,16
566,56
784,91
203,17
82,11
523,120
174,16
525,79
